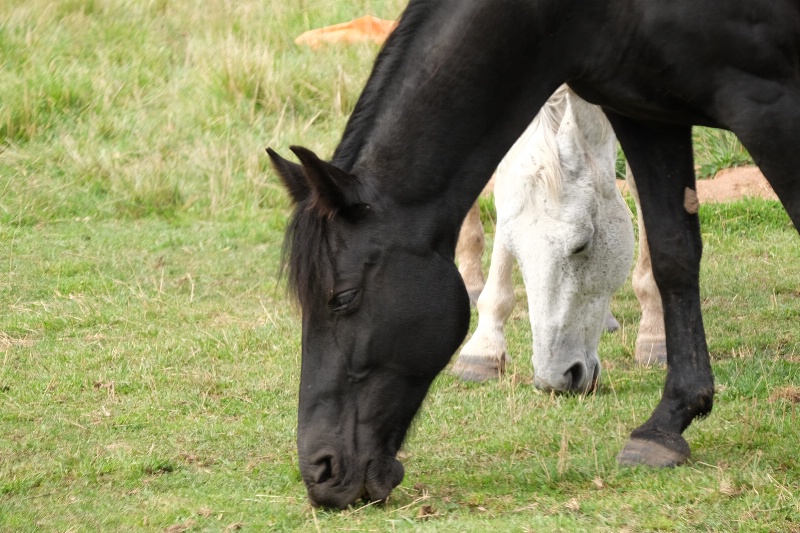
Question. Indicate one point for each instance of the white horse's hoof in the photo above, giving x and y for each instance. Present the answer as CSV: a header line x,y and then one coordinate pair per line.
x,y
477,368
611,323
651,351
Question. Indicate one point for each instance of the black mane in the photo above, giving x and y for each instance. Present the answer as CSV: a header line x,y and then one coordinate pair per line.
x,y
388,62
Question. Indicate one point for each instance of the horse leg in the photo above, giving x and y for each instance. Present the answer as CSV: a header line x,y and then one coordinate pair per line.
x,y
771,133
469,253
661,159
651,346
484,356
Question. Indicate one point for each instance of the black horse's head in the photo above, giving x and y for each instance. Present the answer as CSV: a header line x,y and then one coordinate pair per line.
x,y
383,310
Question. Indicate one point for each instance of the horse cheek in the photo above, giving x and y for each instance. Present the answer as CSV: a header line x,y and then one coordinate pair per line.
x,y
436,314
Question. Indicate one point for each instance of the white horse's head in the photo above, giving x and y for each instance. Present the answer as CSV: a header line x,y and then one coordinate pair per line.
x,y
570,230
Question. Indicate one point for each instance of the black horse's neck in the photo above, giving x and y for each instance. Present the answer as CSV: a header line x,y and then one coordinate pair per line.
x,y
465,62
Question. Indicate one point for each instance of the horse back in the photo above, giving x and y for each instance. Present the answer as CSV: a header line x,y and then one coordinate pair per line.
x,y
676,66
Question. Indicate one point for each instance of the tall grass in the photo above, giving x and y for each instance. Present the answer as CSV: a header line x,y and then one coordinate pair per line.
x,y
124,108
716,150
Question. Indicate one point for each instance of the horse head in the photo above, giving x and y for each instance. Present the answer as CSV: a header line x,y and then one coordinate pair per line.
x,y
563,219
383,310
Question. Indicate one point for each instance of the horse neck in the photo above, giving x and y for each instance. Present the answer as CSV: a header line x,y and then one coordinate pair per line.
x,y
468,63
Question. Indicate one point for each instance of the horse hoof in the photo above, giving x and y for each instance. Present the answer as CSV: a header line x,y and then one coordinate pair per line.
x,y
611,323
650,453
650,352
478,369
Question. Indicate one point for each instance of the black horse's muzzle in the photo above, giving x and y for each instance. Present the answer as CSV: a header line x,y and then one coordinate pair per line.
x,y
335,482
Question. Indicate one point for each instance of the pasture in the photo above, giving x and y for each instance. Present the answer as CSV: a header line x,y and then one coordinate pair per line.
x,y
149,356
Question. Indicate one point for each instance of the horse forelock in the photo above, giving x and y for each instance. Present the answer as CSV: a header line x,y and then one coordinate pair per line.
x,y
546,151
306,255
538,146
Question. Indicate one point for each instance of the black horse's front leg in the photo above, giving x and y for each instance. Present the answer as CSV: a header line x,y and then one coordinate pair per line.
x,y
661,159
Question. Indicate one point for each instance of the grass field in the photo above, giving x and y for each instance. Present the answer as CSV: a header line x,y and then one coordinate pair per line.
x,y
149,357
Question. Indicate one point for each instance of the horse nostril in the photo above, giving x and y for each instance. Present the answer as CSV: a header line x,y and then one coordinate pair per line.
x,y
595,376
575,374
322,469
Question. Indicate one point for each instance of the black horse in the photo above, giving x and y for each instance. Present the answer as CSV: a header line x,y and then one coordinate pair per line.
x,y
373,235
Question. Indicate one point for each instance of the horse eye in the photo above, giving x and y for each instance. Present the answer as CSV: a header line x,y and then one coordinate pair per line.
x,y
343,300
580,249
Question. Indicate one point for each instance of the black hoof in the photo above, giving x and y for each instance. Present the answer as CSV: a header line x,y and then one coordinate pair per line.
x,y
663,450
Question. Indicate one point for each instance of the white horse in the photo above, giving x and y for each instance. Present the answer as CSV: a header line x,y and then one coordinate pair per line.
x,y
561,216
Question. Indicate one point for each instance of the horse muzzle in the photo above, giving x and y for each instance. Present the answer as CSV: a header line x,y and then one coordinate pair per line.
x,y
581,377
336,482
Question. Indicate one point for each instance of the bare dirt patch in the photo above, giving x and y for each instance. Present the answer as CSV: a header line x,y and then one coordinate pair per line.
x,y
729,185
789,394
7,342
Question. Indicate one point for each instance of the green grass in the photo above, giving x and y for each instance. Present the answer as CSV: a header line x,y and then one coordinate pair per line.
x,y
716,150
149,358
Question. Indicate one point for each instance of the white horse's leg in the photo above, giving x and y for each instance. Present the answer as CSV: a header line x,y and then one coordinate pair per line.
x,y
484,356
651,343
469,253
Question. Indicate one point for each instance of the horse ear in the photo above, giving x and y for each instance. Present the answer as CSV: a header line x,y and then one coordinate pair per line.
x,y
572,150
332,188
292,176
